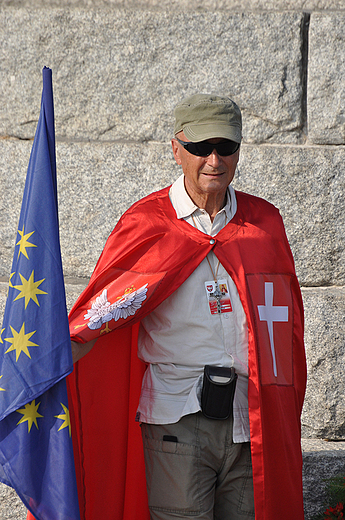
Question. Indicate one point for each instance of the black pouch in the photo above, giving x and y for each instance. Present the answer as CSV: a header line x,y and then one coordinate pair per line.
x,y
218,392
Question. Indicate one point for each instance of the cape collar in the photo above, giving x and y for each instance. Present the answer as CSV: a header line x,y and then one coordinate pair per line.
x,y
228,231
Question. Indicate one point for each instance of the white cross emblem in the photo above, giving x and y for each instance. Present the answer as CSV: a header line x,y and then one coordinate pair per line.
x,y
270,314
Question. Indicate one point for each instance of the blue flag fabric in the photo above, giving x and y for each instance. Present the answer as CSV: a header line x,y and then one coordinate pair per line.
x,y
36,455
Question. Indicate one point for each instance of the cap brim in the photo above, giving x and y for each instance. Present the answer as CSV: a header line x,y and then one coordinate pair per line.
x,y
202,132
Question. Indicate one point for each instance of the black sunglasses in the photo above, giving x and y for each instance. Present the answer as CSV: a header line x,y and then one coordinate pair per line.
x,y
203,149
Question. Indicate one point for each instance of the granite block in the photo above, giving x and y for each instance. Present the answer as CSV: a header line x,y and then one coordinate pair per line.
x,y
326,78
324,407
307,185
11,507
97,182
199,5
321,461
117,74
324,410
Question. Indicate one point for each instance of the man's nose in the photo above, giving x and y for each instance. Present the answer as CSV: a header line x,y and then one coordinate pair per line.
x,y
214,158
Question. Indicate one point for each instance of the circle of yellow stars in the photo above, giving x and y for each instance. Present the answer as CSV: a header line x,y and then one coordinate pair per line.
x,y
29,289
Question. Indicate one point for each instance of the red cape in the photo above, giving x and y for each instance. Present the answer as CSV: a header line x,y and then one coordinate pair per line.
x,y
151,246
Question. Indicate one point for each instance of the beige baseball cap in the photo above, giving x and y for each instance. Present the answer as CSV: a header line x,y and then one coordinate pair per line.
x,y
206,116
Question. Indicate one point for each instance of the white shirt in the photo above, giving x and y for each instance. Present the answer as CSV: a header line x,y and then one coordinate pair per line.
x,y
181,335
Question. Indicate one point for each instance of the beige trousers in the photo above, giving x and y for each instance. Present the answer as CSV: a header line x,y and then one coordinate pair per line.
x,y
195,471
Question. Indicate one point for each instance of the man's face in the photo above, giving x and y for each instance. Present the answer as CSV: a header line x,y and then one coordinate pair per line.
x,y
205,176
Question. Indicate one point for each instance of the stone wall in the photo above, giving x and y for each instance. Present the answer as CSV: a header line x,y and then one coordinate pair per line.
x,y
118,70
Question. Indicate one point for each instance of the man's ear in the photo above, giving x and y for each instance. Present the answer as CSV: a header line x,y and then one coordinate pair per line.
x,y
176,151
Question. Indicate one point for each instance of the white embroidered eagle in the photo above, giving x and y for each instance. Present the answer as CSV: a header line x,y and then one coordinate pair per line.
x,y
103,311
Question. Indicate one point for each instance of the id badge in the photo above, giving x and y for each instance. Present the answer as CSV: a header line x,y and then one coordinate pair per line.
x,y
218,296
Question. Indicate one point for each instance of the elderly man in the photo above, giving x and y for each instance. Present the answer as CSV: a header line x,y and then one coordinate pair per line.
x,y
200,280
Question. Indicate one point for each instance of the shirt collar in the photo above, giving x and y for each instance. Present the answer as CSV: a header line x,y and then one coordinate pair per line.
x,y
185,207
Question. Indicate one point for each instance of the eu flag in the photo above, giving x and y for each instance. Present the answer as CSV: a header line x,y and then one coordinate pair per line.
x,y
36,456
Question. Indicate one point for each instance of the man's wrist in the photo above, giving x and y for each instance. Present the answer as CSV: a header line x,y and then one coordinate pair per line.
x,y
79,350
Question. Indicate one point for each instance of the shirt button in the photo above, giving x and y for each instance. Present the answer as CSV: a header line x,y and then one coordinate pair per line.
x,y
212,241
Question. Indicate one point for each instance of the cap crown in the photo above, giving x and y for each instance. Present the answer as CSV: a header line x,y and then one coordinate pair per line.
x,y
204,116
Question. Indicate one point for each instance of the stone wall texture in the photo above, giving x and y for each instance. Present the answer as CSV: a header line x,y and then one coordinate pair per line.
x,y
119,67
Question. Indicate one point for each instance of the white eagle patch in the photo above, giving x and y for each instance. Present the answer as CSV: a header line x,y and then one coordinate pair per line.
x,y
103,311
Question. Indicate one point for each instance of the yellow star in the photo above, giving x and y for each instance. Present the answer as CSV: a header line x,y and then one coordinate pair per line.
x,y
2,389
23,243
30,414
20,342
29,289
64,417
10,283
2,330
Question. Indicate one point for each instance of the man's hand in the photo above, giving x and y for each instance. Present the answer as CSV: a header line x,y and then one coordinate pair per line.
x,y
80,349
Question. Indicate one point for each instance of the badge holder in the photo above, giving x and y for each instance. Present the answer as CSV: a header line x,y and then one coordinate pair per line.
x,y
218,392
